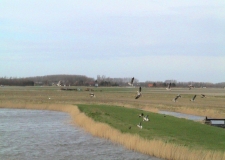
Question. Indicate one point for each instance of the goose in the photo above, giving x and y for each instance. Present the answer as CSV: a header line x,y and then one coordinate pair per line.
x,y
193,99
59,84
168,87
92,94
131,82
190,86
141,115
178,96
203,96
139,125
138,93
146,118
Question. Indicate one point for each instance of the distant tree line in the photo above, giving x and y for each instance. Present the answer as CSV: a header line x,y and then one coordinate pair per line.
x,y
67,80
185,84
107,81
16,82
81,80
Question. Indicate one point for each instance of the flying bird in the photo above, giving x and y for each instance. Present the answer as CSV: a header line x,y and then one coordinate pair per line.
x,y
203,96
168,87
146,118
59,84
141,115
139,125
190,86
178,96
92,94
193,99
138,93
131,82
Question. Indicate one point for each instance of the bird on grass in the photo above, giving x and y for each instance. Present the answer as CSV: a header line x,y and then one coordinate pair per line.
x,y
138,93
92,94
178,96
168,87
131,82
193,99
146,118
139,125
130,127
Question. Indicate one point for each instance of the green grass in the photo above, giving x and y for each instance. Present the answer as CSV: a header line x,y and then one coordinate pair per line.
x,y
169,129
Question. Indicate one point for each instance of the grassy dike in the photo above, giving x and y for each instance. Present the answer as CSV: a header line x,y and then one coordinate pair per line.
x,y
165,137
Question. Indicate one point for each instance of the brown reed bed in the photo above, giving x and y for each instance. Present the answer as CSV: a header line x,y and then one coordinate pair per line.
x,y
155,147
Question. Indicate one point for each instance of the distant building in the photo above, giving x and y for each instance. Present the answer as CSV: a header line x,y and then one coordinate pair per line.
x,y
96,83
150,85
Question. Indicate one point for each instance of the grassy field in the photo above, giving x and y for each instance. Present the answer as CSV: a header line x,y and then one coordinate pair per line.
x,y
153,99
104,108
178,131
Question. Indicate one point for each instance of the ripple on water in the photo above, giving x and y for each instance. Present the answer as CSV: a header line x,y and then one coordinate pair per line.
x,y
47,135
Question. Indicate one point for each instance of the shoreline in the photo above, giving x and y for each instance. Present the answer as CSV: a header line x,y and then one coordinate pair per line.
x,y
156,148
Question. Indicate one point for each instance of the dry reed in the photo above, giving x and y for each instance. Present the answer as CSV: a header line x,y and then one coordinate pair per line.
x,y
201,112
155,148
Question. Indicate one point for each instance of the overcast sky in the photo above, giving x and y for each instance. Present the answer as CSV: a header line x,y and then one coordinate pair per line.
x,y
153,40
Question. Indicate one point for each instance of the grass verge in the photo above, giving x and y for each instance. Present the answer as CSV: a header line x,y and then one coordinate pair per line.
x,y
180,135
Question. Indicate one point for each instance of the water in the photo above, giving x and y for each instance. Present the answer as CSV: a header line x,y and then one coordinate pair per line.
x,y
182,115
48,135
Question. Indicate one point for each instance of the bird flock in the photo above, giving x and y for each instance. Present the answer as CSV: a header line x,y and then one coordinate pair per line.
x,y
139,94
145,118
192,99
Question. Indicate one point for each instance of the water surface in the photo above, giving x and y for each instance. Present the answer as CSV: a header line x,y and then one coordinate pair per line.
x,y
48,135
183,115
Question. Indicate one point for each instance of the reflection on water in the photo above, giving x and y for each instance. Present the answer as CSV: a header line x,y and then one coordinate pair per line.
x,y
182,115
48,135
